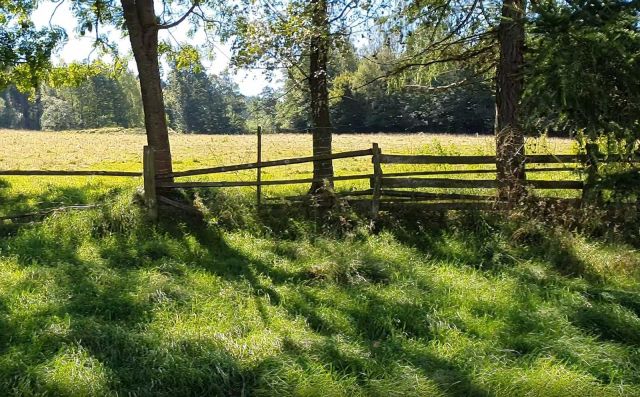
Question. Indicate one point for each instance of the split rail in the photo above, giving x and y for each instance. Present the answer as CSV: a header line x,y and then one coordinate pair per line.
x,y
439,189
444,186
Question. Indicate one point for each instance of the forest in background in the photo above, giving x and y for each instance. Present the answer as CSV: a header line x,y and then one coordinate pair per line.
x,y
200,102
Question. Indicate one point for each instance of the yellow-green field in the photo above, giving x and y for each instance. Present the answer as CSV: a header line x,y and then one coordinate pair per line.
x,y
79,150
22,150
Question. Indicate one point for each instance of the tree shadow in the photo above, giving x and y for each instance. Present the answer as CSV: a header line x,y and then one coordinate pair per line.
x,y
95,303
377,324
101,301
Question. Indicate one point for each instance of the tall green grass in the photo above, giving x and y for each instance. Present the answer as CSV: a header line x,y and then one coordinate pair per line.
x,y
102,302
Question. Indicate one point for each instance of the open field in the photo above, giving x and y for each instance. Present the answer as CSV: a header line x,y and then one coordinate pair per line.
x,y
103,303
123,151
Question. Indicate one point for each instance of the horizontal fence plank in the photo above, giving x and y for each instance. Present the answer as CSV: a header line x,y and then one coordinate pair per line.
x,y
187,185
429,159
554,158
438,183
67,173
426,206
458,205
473,183
444,206
435,196
265,164
440,172
352,193
530,159
554,169
477,171
540,184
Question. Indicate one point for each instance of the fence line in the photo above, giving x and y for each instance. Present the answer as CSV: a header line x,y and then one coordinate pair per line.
x,y
385,188
265,164
67,173
189,185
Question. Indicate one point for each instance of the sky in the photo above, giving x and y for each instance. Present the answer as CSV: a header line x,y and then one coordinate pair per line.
x,y
79,48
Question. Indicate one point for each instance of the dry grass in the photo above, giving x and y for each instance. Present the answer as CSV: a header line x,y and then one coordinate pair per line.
x,y
81,150
110,149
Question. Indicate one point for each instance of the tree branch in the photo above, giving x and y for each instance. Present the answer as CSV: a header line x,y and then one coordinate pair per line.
x,y
182,18
401,68
349,6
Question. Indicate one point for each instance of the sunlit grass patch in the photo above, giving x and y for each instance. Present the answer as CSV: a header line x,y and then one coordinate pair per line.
x,y
73,372
546,377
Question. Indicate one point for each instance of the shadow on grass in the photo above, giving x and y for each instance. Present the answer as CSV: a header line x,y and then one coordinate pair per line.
x,y
95,303
51,196
487,242
84,290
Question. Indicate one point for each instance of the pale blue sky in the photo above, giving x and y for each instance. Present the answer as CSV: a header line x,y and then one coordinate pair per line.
x,y
79,48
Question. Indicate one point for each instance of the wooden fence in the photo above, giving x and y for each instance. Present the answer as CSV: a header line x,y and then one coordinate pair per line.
x,y
400,188
431,188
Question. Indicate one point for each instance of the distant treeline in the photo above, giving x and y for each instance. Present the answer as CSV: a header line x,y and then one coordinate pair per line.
x,y
198,102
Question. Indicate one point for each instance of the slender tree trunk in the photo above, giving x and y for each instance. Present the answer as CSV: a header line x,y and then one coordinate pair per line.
x,y
35,110
510,160
320,119
140,19
25,108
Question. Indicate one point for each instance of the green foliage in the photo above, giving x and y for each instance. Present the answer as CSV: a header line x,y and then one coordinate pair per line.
x,y
25,51
582,69
197,102
362,101
99,101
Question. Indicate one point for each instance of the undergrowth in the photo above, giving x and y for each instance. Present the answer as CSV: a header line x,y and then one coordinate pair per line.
x,y
270,302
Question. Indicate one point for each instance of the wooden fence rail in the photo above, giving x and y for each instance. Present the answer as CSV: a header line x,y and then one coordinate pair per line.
x,y
428,159
530,159
192,185
473,183
67,173
392,188
265,164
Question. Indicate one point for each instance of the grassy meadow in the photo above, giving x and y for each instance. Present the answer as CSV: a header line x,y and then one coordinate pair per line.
x,y
122,150
103,303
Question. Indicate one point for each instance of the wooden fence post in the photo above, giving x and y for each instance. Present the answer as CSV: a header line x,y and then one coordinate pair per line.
x,y
592,173
259,168
149,175
377,181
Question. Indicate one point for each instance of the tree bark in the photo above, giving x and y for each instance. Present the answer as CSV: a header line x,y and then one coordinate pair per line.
x,y
140,19
510,142
319,95
35,110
